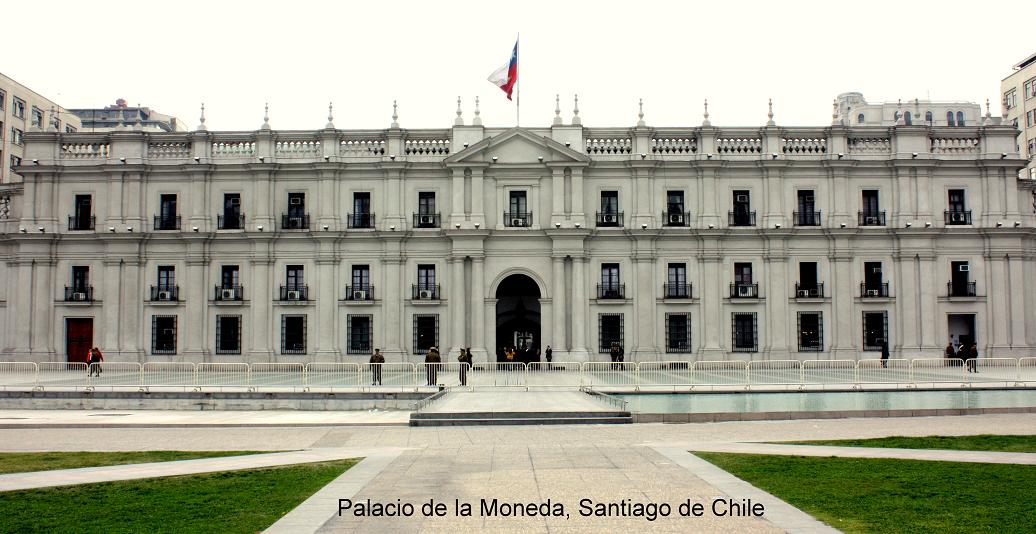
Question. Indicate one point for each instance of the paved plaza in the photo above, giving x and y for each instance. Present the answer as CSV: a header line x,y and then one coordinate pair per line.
x,y
606,463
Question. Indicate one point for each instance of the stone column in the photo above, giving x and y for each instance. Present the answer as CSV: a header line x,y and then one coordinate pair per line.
x,y
195,331
557,204
711,299
578,214
264,214
1016,306
258,294
709,198
776,292
326,294
134,203
42,312
109,331
131,331
998,341
198,199
930,347
581,351
456,306
644,346
478,197
392,304
843,292
20,305
548,327
561,313
456,199
479,350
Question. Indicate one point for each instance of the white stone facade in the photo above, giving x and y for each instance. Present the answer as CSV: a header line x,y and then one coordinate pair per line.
x,y
843,197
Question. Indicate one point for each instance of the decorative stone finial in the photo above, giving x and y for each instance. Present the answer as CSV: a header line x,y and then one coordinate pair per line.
x,y
459,121
988,121
557,110
834,112
769,114
201,120
330,116
640,113
53,122
395,115
706,122
137,125
575,113
477,121
266,117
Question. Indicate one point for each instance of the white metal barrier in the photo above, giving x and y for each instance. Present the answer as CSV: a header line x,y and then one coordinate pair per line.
x,y
775,372
991,370
609,374
501,374
18,374
553,374
61,374
936,370
398,374
113,374
829,371
277,375
877,371
665,373
167,374
1027,369
721,372
333,375
222,374
442,374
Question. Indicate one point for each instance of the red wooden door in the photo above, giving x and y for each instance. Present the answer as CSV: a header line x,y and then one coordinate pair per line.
x,y
79,338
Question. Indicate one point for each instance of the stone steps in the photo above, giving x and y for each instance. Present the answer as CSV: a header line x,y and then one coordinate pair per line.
x,y
519,418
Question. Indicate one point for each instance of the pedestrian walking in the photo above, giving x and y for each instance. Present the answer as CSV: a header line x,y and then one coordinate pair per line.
x,y
884,354
548,355
377,359
93,362
973,358
432,361
465,362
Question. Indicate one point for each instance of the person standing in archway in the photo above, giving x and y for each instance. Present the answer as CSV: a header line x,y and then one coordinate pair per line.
x,y
548,355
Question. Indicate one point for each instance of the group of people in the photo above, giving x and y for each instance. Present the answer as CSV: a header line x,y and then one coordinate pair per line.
x,y
523,354
93,362
965,352
431,357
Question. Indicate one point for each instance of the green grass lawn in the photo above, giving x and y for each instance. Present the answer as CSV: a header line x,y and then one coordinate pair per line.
x,y
879,495
226,502
985,442
23,462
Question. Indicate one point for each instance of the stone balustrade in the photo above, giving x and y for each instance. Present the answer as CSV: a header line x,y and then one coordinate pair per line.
x,y
233,149
85,150
169,150
609,146
870,145
739,146
361,148
674,146
426,147
804,146
297,148
955,145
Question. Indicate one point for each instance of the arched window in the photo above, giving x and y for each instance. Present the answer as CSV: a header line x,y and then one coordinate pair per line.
x,y
907,118
928,118
960,118
859,118
949,118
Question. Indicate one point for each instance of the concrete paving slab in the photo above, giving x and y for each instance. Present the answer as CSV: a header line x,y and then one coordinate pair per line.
x,y
986,457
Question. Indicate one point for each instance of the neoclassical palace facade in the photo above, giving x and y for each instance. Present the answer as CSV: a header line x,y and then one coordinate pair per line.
x,y
698,243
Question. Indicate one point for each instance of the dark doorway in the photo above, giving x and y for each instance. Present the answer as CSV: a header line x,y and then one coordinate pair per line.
x,y
961,327
79,338
518,319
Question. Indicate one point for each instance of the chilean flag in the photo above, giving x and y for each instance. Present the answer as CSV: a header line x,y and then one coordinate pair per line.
x,y
505,77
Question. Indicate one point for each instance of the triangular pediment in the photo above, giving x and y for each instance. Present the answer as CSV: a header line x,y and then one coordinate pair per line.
x,y
518,147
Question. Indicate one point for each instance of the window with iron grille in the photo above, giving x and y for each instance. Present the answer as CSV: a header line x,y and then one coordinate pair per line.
x,y
744,332
163,334
875,329
228,334
358,333
609,326
677,332
811,331
293,334
426,332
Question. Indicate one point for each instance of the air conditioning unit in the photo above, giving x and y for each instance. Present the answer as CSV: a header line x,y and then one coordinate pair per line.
x,y
295,201
427,219
870,220
808,198
957,217
609,218
228,294
744,291
78,296
963,268
359,295
235,201
517,221
741,198
168,331
675,218
872,292
165,295
424,294
294,295
295,222
802,293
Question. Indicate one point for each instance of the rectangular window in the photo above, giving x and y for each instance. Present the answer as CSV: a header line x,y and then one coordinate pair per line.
x,y
811,331
228,334
610,274
674,202
960,275
294,277
807,214
426,203
18,107
872,277
15,162
167,219
518,203
83,214
676,281
3,100
17,136
293,334
426,332
231,212
956,200
609,327
744,332
875,330
230,276
871,207
742,204
36,117
808,275
1011,99
362,216
361,277
166,277
677,332
358,334
426,277
742,273
610,202
70,129
80,278
1030,88
163,334
296,205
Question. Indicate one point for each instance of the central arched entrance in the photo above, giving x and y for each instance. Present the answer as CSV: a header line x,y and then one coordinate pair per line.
x,y
518,318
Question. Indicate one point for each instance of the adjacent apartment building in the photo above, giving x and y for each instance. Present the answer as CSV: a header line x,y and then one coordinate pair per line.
x,y
121,115
1019,92
695,243
23,110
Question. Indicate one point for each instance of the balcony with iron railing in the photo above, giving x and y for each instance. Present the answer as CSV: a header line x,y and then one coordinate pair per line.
x,y
961,289
299,221
230,222
957,217
677,291
424,291
874,290
744,290
517,219
165,293
675,218
291,293
79,293
609,219
363,221
229,293
741,218
611,291
166,222
871,218
815,291
426,220
806,218
79,224
362,293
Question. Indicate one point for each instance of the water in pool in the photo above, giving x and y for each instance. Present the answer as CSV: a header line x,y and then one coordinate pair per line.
x,y
827,401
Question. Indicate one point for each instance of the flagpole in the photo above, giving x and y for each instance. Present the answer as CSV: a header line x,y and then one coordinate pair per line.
x,y
518,97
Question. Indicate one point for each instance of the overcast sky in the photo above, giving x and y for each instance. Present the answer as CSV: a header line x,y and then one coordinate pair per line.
x,y
299,55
